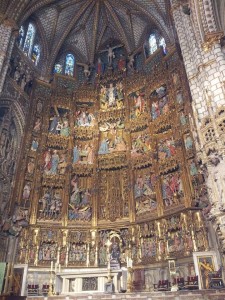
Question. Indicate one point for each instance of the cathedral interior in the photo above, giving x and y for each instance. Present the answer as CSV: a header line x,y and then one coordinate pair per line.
x,y
112,149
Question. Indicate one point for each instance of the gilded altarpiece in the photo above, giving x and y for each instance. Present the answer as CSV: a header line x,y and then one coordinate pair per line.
x,y
115,162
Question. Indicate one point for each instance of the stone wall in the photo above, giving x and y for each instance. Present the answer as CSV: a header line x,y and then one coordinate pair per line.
x,y
8,31
205,66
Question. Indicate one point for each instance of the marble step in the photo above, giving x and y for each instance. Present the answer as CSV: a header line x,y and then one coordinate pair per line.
x,y
182,295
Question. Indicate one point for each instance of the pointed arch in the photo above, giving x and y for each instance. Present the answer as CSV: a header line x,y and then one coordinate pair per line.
x,y
34,44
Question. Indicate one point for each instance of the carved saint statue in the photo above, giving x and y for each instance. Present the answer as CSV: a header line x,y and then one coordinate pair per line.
x,y
54,162
34,145
99,67
218,175
130,63
87,69
30,166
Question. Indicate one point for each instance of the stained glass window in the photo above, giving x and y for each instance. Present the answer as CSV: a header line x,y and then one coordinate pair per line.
x,y
36,54
21,36
69,66
162,43
155,41
152,43
27,48
58,69
30,46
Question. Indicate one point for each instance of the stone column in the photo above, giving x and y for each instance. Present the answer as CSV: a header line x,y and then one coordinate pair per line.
x,y
205,67
204,61
8,32
10,259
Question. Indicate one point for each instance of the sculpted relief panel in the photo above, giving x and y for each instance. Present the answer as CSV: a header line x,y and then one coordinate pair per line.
x,y
103,164
118,153
8,142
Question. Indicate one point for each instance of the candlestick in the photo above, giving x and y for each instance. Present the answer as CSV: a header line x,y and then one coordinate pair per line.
x,y
50,291
129,280
56,267
51,266
131,263
159,229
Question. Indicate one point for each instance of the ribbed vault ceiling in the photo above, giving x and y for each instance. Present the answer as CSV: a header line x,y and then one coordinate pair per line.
x,y
87,26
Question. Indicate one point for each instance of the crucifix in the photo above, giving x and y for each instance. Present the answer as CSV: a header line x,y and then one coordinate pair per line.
x,y
111,54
